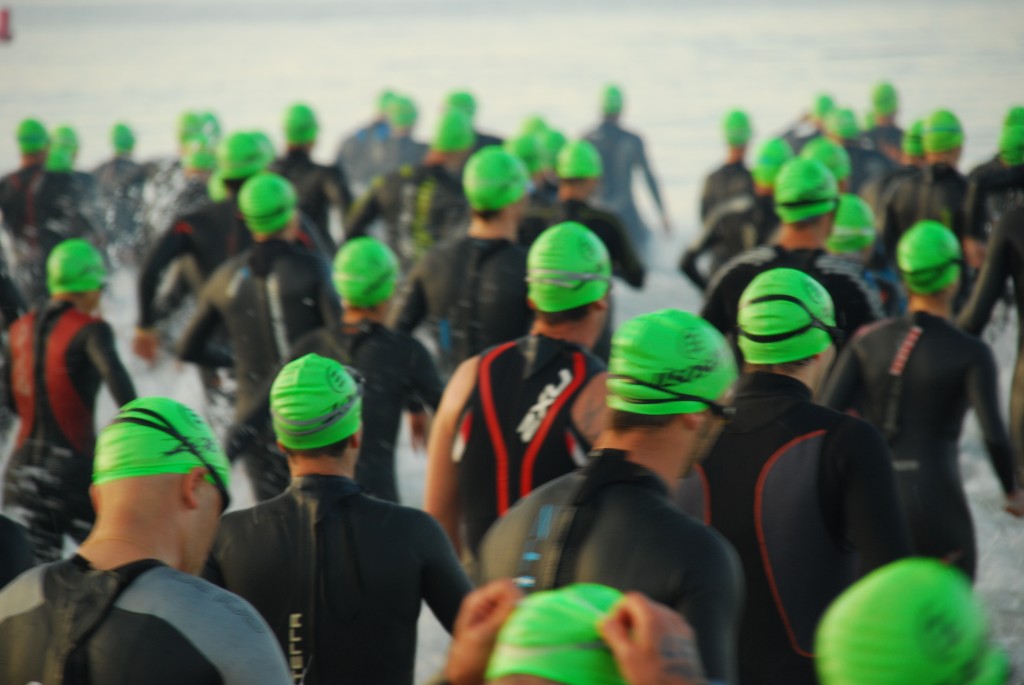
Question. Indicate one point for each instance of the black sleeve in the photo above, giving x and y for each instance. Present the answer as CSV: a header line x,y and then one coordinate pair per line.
x,y
171,245
983,394
688,262
339,191
713,606
364,211
194,344
716,309
8,392
12,304
624,258
991,281
706,201
974,206
844,383
410,306
859,487
102,351
15,551
424,379
444,581
890,223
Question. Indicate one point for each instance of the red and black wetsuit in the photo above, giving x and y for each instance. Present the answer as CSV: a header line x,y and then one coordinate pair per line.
x,y
318,187
516,431
806,496
57,359
915,378
1004,262
613,522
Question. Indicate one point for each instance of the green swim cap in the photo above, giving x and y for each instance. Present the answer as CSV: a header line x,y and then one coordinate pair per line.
x,y
668,362
60,159
267,202
884,99
494,179
266,147
189,124
567,267
463,101
1011,145
314,402
32,136
240,155
830,153
912,621
822,106
533,125
384,99
579,159
842,123
1014,116
401,112
529,150
913,145
365,272
805,189
552,141
736,127
771,157
784,316
197,155
122,138
209,126
929,257
454,132
854,228
152,436
75,266
65,136
612,99
942,132
556,635
300,125
215,187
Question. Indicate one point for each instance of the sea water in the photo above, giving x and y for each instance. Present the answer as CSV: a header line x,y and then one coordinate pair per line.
x,y
681,64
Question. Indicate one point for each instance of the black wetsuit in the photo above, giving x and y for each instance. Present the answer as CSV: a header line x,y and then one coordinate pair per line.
x,y
472,294
1004,262
16,554
937,192
855,302
734,226
614,523
399,151
806,496
57,359
319,188
992,190
120,183
482,140
865,165
399,374
730,180
420,206
626,263
915,377
516,429
12,303
266,299
140,623
876,191
343,576
888,140
361,155
622,152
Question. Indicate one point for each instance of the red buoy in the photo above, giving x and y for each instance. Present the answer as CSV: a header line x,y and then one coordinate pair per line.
x,y
5,25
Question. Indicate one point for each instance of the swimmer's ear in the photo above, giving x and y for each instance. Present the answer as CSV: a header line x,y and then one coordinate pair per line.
x,y
190,486
602,304
691,421
530,304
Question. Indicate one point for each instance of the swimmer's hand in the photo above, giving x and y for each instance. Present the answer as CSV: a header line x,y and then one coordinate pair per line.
x,y
146,344
652,644
1015,503
418,423
476,630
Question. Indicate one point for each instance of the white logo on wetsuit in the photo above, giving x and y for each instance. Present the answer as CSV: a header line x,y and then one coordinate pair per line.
x,y
530,424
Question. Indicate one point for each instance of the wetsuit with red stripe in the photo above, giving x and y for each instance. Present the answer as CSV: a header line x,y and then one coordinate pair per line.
x,y
806,495
58,357
516,431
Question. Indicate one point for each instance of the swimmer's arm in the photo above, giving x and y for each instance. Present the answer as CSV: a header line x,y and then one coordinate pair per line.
x,y
444,582
990,285
194,345
102,351
8,390
983,394
171,245
652,182
410,306
363,212
588,411
441,499
426,379
844,382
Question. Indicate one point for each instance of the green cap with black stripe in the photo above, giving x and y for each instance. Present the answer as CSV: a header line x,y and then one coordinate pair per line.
x,y
314,402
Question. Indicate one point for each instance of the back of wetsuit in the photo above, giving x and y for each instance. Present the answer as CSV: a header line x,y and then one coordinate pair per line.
x,y
865,165
67,623
937,192
725,183
886,139
17,198
876,191
318,187
361,154
731,228
993,190
516,430
345,606
916,377
472,294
